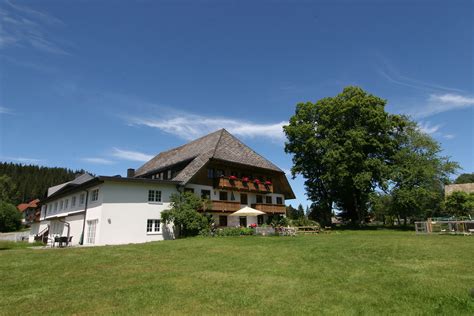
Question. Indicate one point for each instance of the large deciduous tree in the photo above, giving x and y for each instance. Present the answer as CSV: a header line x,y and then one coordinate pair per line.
x,y
342,146
418,174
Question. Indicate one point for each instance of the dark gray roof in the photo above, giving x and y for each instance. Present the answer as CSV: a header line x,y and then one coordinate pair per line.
x,y
79,180
218,145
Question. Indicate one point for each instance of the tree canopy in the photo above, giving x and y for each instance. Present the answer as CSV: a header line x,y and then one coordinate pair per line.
x,y
184,214
341,146
465,178
10,217
348,146
30,182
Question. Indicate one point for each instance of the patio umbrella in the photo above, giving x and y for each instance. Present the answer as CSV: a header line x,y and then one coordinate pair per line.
x,y
247,211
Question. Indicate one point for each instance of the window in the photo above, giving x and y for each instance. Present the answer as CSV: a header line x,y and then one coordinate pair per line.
x,y
222,220
95,195
73,201
206,194
260,220
66,204
91,230
165,175
55,206
268,199
82,198
223,196
259,199
279,200
210,173
154,196
153,226
243,198
243,221
61,205
169,174
232,196
189,190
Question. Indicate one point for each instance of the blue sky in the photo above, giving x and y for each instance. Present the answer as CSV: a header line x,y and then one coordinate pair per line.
x,y
105,85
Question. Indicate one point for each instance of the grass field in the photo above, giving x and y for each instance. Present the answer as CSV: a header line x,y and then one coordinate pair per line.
x,y
348,272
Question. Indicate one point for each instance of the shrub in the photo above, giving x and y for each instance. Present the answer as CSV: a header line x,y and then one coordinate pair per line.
x,y
228,231
304,222
10,217
247,231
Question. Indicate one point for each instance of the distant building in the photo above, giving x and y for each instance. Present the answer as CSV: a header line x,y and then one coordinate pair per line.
x,y
464,187
30,212
116,210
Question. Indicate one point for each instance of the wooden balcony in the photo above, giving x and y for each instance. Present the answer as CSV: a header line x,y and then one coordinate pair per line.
x,y
225,183
225,206
270,208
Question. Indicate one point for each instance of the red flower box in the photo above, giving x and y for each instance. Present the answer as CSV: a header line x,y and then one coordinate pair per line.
x,y
232,178
245,179
256,181
253,225
268,183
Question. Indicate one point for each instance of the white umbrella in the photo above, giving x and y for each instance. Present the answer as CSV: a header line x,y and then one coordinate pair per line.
x,y
247,211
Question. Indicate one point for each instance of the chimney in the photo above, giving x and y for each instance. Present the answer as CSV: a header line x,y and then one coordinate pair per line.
x,y
130,173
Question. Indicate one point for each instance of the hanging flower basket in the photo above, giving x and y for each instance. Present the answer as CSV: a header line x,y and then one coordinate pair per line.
x,y
245,179
233,178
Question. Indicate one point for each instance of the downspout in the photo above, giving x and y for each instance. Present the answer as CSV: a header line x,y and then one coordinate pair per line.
x,y
81,241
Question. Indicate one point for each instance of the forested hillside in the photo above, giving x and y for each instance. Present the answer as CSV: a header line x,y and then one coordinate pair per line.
x,y
23,183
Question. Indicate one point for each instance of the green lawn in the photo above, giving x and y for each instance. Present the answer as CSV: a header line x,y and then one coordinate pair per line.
x,y
348,272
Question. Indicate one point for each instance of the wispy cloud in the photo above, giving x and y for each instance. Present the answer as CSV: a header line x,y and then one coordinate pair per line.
x,y
439,103
190,126
97,160
392,74
23,26
131,155
4,110
433,130
24,160
427,128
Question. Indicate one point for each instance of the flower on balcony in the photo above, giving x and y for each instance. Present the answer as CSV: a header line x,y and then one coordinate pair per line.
x,y
253,225
245,179
232,178
256,181
268,182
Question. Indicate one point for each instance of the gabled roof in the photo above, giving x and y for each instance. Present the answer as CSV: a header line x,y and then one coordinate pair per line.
x,y
79,180
218,145
32,204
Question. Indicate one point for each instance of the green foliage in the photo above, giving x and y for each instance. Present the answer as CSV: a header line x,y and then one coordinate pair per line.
x,y
341,146
228,231
184,215
303,221
10,217
8,190
460,203
30,182
294,213
465,178
418,174
277,220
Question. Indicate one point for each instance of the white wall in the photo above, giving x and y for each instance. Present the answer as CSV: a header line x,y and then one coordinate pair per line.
x,y
125,211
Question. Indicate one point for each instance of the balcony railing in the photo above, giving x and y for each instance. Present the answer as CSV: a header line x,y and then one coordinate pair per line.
x,y
237,184
270,208
225,206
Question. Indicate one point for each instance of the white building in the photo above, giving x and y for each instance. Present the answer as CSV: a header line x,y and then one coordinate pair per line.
x,y
117,210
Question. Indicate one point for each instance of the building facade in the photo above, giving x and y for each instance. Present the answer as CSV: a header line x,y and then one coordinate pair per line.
x,y
118,210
